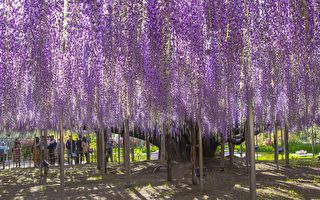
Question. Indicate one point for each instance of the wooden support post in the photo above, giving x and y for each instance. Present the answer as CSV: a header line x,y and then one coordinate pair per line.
x,y
119,147
127,148
276,152
313,142
163,147
281,137
111,143
222,156
41,152
103,151
251,142
231,151
193,152
98,147
286,145
148,147
247,143
241,149
168,153
200,156
62,162
256,142
45,145
132,153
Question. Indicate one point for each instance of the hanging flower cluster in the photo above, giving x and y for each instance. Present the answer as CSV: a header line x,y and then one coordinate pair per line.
x,y
99,62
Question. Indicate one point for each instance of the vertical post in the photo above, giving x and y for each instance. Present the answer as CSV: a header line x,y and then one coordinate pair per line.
x,y
103,151
41,152
132,153
241,151
71,149
127,148
222,156
282,143
276,152
200,156
281,137
163,146
45,145
286,145
148,147
111,143
230,145
313,142
61,162
247,143
119,147
98,147
193,151
257,155
251,142
167,135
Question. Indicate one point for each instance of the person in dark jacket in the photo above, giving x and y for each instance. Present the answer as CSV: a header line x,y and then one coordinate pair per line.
x,y
79,151
51,147
70,145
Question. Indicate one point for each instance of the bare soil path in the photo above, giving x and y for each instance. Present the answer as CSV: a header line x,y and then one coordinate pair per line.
x,y
148,182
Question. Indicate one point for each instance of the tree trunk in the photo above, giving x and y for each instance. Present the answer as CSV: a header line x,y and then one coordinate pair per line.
x,y
276,153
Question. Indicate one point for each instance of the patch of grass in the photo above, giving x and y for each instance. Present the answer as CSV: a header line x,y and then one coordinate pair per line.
x,y
293,193
293,180
316,180
94,178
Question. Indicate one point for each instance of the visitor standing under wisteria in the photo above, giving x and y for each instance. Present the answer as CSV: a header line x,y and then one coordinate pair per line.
x,y
36,152
17,152
85,149
70,145
51,147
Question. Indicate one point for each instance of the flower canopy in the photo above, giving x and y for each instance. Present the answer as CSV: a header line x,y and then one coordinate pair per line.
x,y
98,62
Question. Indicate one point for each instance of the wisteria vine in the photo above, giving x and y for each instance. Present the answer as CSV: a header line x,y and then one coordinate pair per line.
x,y
99,62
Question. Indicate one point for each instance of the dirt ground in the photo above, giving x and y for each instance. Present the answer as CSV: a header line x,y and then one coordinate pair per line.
x,y
149,182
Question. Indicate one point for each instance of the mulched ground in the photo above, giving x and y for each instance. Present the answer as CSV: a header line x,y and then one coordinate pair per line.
x,y
149,182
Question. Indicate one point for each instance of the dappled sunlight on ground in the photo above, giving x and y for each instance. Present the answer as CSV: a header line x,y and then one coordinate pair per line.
x,y
146,182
